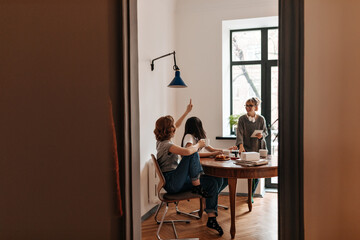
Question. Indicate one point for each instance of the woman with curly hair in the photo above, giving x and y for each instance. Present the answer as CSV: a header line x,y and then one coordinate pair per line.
x,y
186,175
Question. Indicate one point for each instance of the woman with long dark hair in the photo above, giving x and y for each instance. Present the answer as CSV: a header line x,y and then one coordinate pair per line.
x,y
194,132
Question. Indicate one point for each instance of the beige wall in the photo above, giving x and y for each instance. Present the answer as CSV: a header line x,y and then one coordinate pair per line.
x,y
332,117
55,162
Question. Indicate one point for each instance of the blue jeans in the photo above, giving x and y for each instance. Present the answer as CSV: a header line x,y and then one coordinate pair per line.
x,y
188,170
222,183
180,179
211,185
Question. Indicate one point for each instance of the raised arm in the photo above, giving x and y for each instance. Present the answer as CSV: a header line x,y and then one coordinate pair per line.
x,y
181,119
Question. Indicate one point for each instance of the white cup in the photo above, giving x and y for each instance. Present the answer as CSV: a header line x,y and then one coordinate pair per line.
x,y
263,153
226,152
207,142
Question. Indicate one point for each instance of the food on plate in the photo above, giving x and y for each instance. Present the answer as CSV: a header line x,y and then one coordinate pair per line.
x,y
220,157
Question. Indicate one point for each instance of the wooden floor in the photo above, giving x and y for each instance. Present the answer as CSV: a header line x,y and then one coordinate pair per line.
x,y
260,224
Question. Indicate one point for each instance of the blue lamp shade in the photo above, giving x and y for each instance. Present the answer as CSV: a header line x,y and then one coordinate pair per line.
x,y
177,82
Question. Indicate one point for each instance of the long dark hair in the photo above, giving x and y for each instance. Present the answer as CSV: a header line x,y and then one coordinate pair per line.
x,y
194,127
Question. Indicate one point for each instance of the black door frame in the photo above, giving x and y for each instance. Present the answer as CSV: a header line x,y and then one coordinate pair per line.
x,y
291,115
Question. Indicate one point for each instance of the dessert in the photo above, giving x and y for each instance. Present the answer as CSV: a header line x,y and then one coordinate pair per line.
x,y
220,157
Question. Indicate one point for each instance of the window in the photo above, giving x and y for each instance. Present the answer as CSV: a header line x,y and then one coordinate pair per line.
x,y
254,72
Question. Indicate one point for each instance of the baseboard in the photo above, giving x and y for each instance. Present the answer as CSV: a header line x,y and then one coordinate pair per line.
x,y
272,190
149,213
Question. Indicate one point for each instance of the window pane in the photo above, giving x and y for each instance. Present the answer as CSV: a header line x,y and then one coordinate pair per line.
x,y
246,82
273,44
246,45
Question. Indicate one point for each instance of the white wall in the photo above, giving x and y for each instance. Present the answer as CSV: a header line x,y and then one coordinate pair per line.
x,y
193,28
199,56
331,120
156,37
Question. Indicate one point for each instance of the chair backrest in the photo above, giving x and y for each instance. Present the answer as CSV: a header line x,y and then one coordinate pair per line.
x,y
159,173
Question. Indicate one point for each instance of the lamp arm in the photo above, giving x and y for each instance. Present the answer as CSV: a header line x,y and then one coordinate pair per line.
x,y
175,66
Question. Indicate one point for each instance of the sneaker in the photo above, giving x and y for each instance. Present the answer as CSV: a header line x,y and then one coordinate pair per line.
x,y
213,224
199,190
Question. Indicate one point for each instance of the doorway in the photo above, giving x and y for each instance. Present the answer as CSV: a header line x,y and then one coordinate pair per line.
x,y
290,97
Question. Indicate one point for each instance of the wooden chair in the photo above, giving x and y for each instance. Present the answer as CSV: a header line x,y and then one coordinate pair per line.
x,y
175,198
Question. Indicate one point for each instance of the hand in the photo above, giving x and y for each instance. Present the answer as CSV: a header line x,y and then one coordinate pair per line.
x,y
233,148
241,148
189,107
259,136
201,143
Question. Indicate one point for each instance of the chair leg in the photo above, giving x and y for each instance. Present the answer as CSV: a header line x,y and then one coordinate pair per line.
x,y
167,221
202,204
170,221
174,228
201,210
157,212
162,220
187,214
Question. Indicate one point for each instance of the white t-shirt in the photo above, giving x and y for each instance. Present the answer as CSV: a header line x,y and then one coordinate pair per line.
x,y
191,139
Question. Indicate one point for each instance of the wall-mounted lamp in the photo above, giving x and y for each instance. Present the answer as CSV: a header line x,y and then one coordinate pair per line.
x,y
177,82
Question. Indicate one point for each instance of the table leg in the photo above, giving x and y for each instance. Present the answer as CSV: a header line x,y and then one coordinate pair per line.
x,y
249,194
232,189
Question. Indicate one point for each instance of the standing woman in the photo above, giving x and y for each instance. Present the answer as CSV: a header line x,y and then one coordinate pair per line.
x,y
247,124
186,174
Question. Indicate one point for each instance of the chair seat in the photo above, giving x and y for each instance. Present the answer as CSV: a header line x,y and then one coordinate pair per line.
x,y
179,196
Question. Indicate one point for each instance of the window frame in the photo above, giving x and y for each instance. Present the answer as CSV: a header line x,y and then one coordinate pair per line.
x,y
265,76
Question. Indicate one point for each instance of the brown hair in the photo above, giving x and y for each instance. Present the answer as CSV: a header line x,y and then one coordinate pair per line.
x,y
164,128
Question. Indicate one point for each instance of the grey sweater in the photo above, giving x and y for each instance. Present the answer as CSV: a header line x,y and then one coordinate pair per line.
x,y
245,129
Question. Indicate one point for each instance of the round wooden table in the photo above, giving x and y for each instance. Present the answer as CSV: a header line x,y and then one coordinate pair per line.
x,y
228,169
